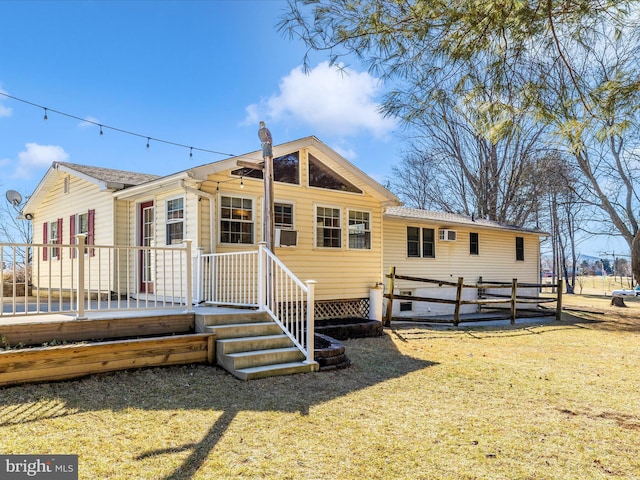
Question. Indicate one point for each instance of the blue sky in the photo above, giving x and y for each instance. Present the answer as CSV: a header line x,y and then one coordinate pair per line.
x,y
198,73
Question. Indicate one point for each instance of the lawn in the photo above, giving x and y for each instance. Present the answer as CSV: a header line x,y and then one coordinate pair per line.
x,y
558,400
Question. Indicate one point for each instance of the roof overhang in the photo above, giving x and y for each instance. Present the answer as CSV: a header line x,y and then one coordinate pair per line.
x,y
169,182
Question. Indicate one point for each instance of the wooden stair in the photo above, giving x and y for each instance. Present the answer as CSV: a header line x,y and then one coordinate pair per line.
x,y
251,345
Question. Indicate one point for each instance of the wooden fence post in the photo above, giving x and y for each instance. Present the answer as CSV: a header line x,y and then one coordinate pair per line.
x,y
387,318
559,302
456,313
514,297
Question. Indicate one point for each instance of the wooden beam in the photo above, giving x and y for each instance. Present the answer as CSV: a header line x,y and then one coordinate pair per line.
x,y
251,165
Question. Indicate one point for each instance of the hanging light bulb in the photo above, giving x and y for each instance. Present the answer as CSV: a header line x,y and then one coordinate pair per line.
x,y
190,152
148,140
241,183
101,130
45,114
218,187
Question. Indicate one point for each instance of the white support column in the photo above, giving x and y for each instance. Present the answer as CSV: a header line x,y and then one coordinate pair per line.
x,y
199,284
262,269
189,262
311,288
80,242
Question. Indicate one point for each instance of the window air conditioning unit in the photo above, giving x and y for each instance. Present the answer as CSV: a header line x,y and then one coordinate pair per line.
x,y
447,235
286,238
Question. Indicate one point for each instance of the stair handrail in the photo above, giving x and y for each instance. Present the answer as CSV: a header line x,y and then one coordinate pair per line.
x,y
277,280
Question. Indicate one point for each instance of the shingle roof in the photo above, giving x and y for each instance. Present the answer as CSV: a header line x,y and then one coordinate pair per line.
x,y
451,218
110,175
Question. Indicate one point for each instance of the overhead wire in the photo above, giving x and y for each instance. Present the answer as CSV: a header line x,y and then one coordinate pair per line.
x,y
102,126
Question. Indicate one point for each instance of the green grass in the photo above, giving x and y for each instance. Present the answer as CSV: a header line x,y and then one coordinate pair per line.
x,y
551,401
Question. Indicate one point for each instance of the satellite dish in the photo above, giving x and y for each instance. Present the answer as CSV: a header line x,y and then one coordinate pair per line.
x,y
14,198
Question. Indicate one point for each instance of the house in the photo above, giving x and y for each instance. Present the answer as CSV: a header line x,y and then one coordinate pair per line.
x,y
446,246
334,224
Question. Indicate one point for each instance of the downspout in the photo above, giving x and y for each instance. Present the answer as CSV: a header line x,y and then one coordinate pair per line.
x,y
212,203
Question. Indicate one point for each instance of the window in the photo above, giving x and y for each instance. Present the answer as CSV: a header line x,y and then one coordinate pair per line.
x,y
359,229
55,237
520,248
236,224
421,242
175,220
406,306
286,169
328,227
323,177
474,244
283,216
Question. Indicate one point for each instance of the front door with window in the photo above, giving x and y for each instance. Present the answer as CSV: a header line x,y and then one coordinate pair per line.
x,y
146,229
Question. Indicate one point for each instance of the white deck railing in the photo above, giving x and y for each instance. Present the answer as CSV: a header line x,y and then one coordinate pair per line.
x,y
73,279
259,279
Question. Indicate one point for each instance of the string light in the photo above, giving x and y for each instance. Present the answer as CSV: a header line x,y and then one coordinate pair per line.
x,y
241,183
116,129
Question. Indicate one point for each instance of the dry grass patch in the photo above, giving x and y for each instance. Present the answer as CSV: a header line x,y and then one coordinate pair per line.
x,y
547,401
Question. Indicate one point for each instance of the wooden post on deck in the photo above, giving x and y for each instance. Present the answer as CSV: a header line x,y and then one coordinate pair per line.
x,y
388,314
514,297
456,312
559,302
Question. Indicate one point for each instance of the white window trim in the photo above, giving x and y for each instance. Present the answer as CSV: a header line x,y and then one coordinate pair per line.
x,y
168,221
293,213
55,249
254,206
315,226
366,249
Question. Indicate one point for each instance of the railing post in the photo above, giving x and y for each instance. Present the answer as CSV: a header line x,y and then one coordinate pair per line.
x,y
262,269
80,242
389,311
199,286
311,315
559,300
456,312
189,265
514,297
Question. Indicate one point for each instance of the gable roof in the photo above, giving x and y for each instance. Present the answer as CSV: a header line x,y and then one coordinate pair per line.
x,y
445,218
107,176
106,179
329,156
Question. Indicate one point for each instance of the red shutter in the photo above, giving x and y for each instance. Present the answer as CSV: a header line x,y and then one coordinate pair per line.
x,y
72,235
45,239
91,233
59,238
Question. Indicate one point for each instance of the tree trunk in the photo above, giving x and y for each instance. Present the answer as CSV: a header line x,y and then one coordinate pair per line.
x,y
635,257
618,302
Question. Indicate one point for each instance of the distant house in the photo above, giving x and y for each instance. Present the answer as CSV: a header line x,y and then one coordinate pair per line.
x,y
334,224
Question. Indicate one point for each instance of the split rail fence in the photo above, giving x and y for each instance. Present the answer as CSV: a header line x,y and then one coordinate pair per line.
x,y
486,296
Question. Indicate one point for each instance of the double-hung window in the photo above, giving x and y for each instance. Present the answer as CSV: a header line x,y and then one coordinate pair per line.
x,y
175,220
55,237
474,244
359,230
421,242
328,227
520,248
236,220
283,216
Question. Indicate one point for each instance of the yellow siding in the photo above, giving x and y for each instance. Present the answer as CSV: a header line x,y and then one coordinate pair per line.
x,y
496,261
340,273
81,197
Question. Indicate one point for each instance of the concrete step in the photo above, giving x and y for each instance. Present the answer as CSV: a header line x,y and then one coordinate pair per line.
x,y
291,368
203,320
243,330
257,358
246,344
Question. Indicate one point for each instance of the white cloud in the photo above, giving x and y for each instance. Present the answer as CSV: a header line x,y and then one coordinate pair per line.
x,y
4,111
330,100
37,157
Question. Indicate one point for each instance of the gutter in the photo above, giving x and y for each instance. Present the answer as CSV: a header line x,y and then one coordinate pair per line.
x,y
212,203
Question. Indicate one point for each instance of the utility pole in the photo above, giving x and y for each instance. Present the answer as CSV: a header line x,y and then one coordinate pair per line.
x,y
267,155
